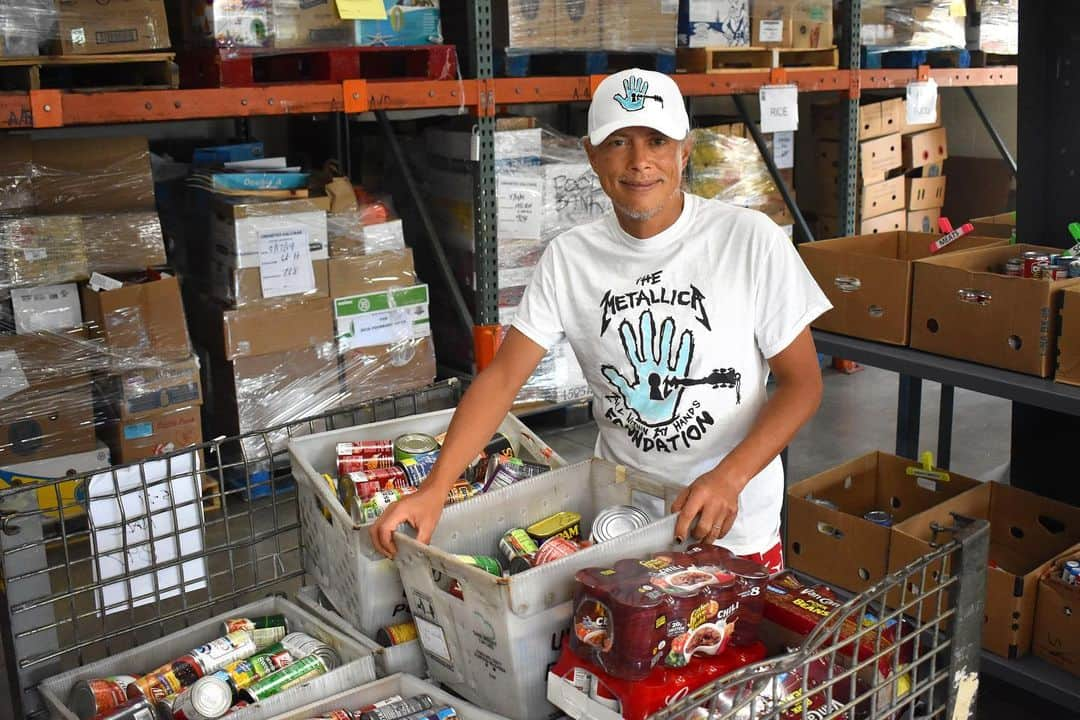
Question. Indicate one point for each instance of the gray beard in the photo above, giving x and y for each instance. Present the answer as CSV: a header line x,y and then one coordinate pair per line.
x,y
642,215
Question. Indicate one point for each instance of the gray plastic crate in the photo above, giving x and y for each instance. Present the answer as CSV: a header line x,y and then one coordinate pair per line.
x,y
357,661
399,684
362,584
495,645
406,658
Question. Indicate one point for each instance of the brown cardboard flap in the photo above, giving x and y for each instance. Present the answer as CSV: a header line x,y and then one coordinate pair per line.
x,y
92,175
891,222
925,148
371,273
884,197
290,326
139,320
879,157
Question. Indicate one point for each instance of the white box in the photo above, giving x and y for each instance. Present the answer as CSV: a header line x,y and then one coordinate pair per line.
x,y
358,581
714,23
63,466
236,242
494,646
49,308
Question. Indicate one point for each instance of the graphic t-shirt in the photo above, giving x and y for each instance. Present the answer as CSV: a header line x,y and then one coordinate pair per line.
x,y
673,334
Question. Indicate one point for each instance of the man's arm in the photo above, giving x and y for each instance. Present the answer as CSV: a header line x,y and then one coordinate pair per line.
x,y
715,495
478,415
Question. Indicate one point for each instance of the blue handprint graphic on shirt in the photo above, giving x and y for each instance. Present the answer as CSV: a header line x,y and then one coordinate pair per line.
x,y
636,93
652,392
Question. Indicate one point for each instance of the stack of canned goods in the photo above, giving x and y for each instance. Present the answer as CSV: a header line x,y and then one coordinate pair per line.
x,y
395,707
1045,266
1070,572
255,659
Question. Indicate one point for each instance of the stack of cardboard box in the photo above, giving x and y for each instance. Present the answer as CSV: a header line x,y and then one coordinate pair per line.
x,y
913,24
638,25
81,27
900,181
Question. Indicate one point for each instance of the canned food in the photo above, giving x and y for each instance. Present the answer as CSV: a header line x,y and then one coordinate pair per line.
x,y
519,549
303,669
359,463
134,709
454,588
265,630
505,471
208,699
301,645
460,491
398,634
617,520
269,660
567,524
879,517
1014,267
1070,573
485,562
337,714
169,679
399,709
99,696
417,469
440,713
554,548
223,651
378,503
1074,269
365,448
500,445
239,705
1055,272
412,446
1032,260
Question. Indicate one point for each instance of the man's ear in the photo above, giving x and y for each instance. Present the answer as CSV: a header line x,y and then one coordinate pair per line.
x,y
590,151
686,149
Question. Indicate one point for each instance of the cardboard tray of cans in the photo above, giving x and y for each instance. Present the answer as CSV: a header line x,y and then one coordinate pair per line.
x,y
404,658
401,684
362,584
358,662
495,639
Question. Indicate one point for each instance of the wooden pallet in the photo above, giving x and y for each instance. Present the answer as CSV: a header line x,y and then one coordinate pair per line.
x,y
247,67
985,59
581,62
125,71
720,60
910,59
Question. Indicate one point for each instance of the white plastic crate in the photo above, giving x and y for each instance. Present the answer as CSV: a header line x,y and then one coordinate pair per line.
x,y
496,645
362,584
357,661
405,658
399,684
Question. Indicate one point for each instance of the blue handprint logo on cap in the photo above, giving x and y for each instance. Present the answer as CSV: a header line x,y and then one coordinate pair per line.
x,y
636,93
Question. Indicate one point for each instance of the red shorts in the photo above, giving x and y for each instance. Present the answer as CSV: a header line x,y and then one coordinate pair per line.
x,y
773,558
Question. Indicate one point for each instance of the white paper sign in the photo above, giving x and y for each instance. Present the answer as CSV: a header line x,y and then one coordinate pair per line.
x,y
771,31
382,318
779,108
432,638
285,261
12,377
49,308
922,102
137,526
521,205
784,150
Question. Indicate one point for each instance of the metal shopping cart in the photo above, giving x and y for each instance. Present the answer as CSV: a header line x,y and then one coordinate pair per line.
x,y
907,648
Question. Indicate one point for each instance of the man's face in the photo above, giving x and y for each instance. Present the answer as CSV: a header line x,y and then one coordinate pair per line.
x,y
640,169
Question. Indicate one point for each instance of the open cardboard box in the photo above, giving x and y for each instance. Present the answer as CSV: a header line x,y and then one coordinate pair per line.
x,y
995,225
963,307
868,280
840,546
1056,634
1026,533
1068,358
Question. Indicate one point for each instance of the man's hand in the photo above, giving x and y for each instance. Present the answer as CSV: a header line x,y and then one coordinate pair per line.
x,y
714,500
422,510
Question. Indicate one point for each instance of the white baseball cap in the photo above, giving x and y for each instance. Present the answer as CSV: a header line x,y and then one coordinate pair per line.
x,y
637,98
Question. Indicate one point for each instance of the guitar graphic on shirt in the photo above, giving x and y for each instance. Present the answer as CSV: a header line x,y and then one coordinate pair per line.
x,y
726,378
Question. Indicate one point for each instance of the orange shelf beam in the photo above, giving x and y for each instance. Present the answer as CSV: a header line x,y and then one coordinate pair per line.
x,y
419,94
514,91
745,82
15,111
945,77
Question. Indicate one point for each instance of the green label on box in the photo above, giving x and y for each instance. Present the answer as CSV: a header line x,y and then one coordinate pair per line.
x,y
383,318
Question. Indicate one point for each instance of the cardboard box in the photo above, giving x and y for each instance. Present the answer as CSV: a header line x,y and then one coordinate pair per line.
x,y
264,330
578,24
243,288
123,242
149,390
525,24
27,361
698,26
962,307
42,250
309,23
639,25
1002,225
891,222
115,26
924,193
226,23
924,221
876,119
88,176
16,168
1056,633
907,129
1068,359
50,308
1026,533
414,23
840,546
868,280
46,419
72,493
237,227
805,24
878,157
155,434
925,148
881,198
139,320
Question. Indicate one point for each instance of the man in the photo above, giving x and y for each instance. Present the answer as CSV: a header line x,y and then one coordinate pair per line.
x,y
677,308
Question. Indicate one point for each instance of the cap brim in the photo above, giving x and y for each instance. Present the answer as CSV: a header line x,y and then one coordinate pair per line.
x,y
672,130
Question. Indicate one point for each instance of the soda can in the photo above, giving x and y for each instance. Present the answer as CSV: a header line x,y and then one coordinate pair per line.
x,y
1014,267
554,548
359,463
485,562
413,446
208,699
879,517
417,469
98,696
365,448
169,679
1070,573
617,520
399,709
138,708
461,491
398,634
265,630
300,671
223,651
519,549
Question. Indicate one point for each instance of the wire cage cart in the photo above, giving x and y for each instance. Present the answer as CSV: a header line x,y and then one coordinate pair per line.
x,y
907,648
104,561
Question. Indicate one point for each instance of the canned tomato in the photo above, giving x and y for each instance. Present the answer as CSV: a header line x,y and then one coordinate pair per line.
x,y
134,709
617,520
365,448
519,549
303,669
412,446
99,696
566,524
485,562
398,634
1014,267
169,679
265,630
223,651
208,699
879,517
554,548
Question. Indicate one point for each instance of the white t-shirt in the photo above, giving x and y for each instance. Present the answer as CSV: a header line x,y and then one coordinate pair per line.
x,y
673,335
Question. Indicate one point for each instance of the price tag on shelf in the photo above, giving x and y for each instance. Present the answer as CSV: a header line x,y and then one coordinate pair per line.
x,y
922,102
779,108
285,262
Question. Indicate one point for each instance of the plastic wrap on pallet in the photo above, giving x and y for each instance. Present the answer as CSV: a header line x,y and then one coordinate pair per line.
x,y
634,26
729,167
996,27
24,25
303,23
913,24
228,23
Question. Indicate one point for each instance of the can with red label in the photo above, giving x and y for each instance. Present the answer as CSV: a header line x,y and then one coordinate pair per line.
x,y
554,548
365,448
264,630
169,679
1014,267
358,463
1033,260
99,696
